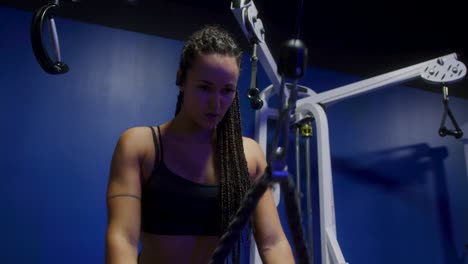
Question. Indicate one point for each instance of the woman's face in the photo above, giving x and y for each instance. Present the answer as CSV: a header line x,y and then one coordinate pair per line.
x,y
209,89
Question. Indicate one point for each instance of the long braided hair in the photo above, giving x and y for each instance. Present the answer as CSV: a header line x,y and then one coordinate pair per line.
x,y
234,179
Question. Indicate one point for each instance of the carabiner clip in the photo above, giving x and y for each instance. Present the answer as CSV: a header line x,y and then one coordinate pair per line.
x,y
37,41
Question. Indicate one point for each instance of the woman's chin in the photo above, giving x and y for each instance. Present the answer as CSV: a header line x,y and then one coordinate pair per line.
x,y
209,125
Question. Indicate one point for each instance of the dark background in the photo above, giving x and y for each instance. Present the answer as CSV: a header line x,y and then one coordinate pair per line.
x,y
360,37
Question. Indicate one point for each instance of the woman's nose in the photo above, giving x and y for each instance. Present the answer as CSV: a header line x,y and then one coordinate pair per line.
x,y
215,101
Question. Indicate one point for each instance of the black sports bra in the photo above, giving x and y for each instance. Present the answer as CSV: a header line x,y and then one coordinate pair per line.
x,y
173,205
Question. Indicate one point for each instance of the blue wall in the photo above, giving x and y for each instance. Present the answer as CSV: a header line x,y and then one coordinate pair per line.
x,y
400,189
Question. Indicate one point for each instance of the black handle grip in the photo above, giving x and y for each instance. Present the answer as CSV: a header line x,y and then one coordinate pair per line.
x,y
37,41
457,133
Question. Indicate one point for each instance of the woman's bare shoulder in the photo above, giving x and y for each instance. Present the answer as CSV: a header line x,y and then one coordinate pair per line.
x,y
254,156
135,139
251,145
134,134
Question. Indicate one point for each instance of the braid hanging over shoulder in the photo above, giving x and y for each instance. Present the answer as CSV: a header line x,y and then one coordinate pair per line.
x,y
234,176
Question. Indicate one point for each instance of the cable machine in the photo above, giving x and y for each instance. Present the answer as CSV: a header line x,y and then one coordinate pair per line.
x,y
309,107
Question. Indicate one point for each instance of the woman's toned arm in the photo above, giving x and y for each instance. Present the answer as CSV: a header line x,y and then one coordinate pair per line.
x,y
273,246
123,199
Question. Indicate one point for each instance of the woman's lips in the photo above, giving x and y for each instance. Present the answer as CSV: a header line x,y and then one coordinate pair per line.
x,y
212,116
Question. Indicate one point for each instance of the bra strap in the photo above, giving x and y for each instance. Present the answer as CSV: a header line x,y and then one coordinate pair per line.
x,y
157,150
161,144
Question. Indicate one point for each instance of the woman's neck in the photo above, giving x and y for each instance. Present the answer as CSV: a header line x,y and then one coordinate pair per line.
x,y
184,130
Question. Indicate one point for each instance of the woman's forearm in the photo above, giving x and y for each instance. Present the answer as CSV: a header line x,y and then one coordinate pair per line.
x,y
280,253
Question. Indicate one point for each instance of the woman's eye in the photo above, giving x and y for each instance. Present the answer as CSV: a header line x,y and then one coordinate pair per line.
x,y
203,87
229,91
